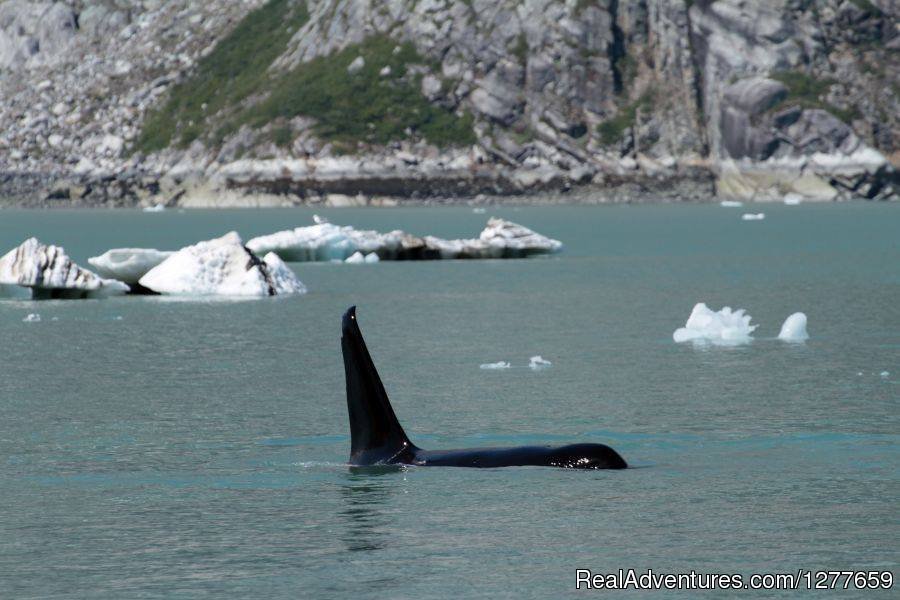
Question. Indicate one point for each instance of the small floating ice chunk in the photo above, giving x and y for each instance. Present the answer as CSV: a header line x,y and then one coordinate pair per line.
x,y
731,203
885,374
794,328
155,208
319,220
32,318
538,362
717,327
793,199
753,216
497,365
127,264
358,258
222,267
478,211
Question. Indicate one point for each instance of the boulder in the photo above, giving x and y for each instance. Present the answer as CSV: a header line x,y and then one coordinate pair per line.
x,y
755,95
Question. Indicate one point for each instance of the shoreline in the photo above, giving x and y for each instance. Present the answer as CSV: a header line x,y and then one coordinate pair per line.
x,y
698,186
525,201
40,192
388,181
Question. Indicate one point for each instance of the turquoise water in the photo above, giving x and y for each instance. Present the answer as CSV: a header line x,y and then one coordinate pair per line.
x,y
170,448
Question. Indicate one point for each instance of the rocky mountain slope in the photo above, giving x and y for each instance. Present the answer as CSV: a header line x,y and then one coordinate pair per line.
x,y
348,101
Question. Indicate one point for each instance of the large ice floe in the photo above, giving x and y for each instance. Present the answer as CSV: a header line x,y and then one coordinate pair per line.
x,y
127,264
794,328
327,242
222,267
717,327
45,271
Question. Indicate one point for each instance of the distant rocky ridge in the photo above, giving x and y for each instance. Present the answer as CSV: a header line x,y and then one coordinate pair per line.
x,y
613,99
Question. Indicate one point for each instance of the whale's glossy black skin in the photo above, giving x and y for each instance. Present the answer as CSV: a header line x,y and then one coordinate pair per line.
x,y
376,437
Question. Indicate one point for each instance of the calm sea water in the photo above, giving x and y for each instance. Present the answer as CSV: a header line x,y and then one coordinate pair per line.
x,y
165,448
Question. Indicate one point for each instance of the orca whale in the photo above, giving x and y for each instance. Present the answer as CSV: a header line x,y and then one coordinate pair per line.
x,y
376,437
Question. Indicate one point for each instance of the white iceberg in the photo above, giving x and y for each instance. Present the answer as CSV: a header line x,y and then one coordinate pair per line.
x,y
497,365
372,257
538,362
319,242
753,216
32,318
717,327
516,240
470,248
155,208
47,272
793,199
731,203
325,241
794,328
222,267
127,264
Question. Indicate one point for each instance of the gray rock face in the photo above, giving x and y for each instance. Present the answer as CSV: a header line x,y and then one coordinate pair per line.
x,y
560,92
103,19
34,33
755,95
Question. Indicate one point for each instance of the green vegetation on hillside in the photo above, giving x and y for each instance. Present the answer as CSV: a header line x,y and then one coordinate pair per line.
x,y
611,130
807,91
235,69
362,106
233,86
803,89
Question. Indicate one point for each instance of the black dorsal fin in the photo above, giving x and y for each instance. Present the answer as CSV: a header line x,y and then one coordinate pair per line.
x,y
375,434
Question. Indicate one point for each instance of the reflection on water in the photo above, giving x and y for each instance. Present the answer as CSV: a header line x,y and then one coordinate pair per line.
x,y
365,492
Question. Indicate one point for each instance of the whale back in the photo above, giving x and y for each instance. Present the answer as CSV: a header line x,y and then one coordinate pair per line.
x,y
375,434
